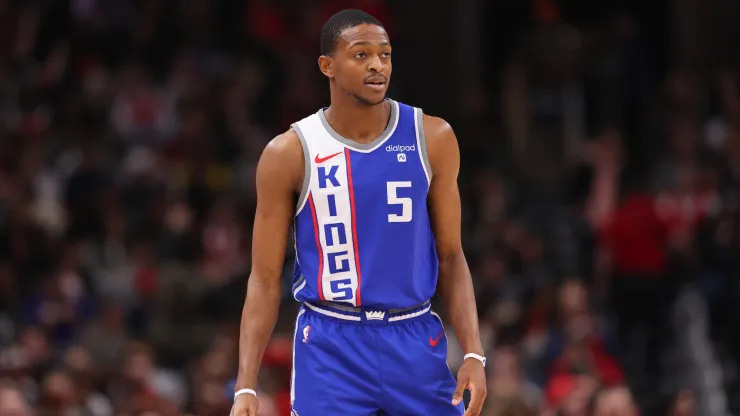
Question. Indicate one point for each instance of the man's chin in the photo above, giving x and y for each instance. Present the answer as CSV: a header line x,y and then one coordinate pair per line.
x,y
370,102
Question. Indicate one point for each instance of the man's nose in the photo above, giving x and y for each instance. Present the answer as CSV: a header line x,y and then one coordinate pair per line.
x,y
375,64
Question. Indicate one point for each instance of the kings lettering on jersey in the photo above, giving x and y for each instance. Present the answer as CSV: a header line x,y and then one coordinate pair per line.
x,y
331,209
362,232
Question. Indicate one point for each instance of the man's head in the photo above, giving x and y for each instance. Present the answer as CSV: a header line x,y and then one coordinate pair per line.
x,y
356,56
615,401
12,402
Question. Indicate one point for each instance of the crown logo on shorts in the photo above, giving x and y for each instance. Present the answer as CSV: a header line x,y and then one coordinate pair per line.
x,y
375,315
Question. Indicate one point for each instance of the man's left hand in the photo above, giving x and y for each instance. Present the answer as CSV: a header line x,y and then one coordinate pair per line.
x,y
471,376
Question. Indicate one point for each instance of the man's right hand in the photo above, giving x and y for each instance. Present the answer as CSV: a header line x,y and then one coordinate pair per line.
x,y
245,405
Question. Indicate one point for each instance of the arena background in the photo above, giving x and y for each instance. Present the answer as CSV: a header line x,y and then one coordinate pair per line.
x,y
600,179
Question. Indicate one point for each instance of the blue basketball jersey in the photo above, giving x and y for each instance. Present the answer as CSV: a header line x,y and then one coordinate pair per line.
x,y
362,230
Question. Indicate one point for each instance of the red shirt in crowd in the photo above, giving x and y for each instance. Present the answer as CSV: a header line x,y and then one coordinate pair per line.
x,y
636,237
598,364
682,212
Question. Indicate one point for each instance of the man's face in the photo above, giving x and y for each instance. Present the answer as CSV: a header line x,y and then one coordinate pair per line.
x,y
361,65
12,403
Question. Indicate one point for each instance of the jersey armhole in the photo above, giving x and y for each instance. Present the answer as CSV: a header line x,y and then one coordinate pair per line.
x,y
306,171
421,142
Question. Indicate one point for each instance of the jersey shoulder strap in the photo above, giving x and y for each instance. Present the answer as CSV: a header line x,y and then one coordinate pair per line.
x,y
410,135
318,147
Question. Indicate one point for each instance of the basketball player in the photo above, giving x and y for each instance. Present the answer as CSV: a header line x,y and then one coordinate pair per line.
x,y
370,188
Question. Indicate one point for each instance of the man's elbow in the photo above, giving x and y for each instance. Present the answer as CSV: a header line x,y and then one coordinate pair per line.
x,y
451,258
265,283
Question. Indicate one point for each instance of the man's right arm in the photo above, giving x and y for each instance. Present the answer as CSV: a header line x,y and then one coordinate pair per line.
x,y
279,175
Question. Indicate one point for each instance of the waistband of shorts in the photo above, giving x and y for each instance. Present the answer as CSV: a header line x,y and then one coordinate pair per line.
x,y
367,315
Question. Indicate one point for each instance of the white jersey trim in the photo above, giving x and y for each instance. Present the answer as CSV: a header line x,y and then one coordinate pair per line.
x,y
306,170
421,143
292,372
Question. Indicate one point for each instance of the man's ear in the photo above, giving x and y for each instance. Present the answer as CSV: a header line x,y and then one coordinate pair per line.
x,y
325,65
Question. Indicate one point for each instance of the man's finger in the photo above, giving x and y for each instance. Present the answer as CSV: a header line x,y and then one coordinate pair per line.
x,y
477,397
457,396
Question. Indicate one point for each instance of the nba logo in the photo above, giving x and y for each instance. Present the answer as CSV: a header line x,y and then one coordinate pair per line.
x,y
401,157
305,333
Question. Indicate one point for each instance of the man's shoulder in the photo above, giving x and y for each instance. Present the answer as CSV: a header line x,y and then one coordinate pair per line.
x,y
438,134
283,157
436,126
286,145
441,143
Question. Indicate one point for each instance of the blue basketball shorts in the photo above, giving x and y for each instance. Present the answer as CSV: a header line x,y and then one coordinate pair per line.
x,y
359,362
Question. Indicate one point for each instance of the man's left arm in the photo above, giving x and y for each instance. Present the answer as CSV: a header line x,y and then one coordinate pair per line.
x,y
455,281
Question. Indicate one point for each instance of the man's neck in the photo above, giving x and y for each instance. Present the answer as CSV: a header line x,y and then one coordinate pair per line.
x,y
357,122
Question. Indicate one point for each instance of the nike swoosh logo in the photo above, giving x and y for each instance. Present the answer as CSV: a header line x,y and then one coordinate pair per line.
x,y
433,341
324,159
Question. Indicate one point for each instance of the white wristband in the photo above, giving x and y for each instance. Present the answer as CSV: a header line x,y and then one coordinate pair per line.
x,y
245,391
475,356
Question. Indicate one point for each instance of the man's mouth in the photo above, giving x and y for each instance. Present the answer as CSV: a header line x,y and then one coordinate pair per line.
x,y
376,83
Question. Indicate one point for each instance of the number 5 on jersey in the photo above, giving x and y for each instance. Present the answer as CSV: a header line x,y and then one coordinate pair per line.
x,y
404,202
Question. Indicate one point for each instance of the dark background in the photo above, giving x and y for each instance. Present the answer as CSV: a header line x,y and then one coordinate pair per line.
x,y
600,179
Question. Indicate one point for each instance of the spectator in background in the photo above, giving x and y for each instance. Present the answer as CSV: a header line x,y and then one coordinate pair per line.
x,y
58,395
507,381
508,407
578,343
682,403
143,386
85,190
12,402
61,307
615,401
79,366
569,395
575,357
105,338
633,257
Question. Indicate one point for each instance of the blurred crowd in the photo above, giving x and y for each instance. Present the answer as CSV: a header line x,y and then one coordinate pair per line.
x,y
600,196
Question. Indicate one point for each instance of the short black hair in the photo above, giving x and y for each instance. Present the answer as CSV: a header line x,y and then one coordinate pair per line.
x,y
340,22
